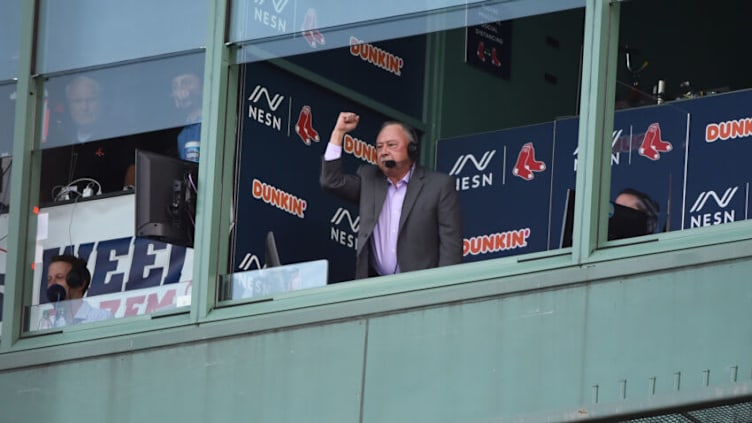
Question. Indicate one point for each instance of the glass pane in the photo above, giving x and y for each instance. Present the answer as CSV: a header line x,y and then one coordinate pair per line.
x,y
90,187
486,102
281,28
10,27
7,117
682,100
80,33
267,282
94,121
128,275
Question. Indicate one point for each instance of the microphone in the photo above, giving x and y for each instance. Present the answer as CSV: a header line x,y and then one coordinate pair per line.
x,y
390,163
56,293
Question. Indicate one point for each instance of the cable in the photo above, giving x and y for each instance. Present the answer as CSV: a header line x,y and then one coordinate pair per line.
x,y
64,191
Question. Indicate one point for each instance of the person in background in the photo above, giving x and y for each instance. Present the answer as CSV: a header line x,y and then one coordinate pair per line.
x,y
187,93
84,107
643,203
68,278
410,217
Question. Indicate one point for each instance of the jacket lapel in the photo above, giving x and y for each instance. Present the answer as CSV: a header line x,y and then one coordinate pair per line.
x,y
413,189
380,186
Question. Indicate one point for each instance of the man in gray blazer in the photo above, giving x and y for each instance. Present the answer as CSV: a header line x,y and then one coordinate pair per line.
x,y
410,216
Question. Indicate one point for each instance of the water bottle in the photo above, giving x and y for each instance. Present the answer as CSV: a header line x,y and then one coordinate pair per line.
x,y
59,319
46,322
191,150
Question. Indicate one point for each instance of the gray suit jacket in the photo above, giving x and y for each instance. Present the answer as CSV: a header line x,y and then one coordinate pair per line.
x,y
430,228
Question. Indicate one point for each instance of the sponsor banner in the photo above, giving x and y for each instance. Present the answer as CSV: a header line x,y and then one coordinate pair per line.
x,y
286,123
648,147
125,270
398,64
718,170
513,183
504,183
488,45
101,232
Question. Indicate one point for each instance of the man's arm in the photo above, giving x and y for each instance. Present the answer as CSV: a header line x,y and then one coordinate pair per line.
x,y
332,179
450,225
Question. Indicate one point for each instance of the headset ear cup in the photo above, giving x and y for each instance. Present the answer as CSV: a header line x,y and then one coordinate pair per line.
x,y
412,151
74,278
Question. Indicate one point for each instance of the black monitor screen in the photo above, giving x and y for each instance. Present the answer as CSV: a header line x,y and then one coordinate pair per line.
x,y
271,255
166,190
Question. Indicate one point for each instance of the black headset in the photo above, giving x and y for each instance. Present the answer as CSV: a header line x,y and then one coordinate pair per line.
x,y
79,275
413,148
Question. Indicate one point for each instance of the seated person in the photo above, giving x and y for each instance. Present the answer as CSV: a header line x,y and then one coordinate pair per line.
x,y
67,281
635,214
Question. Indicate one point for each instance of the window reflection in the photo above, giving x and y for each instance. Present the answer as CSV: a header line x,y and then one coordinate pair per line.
x,y
10,28
505,128
79,33
682,98
95,121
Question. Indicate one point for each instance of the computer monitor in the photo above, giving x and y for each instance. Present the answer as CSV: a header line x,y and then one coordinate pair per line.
x,y
165,190
271,255
623,222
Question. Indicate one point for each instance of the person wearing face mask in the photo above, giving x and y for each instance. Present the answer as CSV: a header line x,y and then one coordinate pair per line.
x,y
410,217
67,281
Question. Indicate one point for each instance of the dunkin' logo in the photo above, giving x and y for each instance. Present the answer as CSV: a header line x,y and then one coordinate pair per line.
x,y
728,130
280,199
359,149
492,243
377,57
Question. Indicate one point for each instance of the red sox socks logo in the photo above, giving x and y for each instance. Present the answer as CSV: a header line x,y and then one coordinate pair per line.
x,y
310,29
304,128
652,144
526,163
481,52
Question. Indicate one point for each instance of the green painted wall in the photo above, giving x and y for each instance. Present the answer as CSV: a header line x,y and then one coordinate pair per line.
x,y
527,97
574,341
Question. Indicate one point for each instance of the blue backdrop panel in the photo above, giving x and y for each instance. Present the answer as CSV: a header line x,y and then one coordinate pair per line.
x,y
369,67
280,162
718,171
648,154
504,183
659,174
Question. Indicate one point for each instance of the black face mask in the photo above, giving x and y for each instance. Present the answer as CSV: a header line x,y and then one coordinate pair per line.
x,y
56,293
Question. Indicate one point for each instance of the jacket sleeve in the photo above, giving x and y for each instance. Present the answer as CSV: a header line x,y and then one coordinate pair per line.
x,y
450,225
334,181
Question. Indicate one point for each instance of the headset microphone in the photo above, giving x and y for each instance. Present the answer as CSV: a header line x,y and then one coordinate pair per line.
x,y
390,163
55,293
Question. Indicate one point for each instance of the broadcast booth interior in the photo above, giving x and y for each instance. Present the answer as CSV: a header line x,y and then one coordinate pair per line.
x,y
166,189
623,222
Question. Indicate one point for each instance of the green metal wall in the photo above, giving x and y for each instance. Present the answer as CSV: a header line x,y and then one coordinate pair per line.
x,y
555,345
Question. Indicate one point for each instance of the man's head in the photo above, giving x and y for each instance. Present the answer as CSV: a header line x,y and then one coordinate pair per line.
x,y
640,201
83,95
71,273
187,92
396,149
